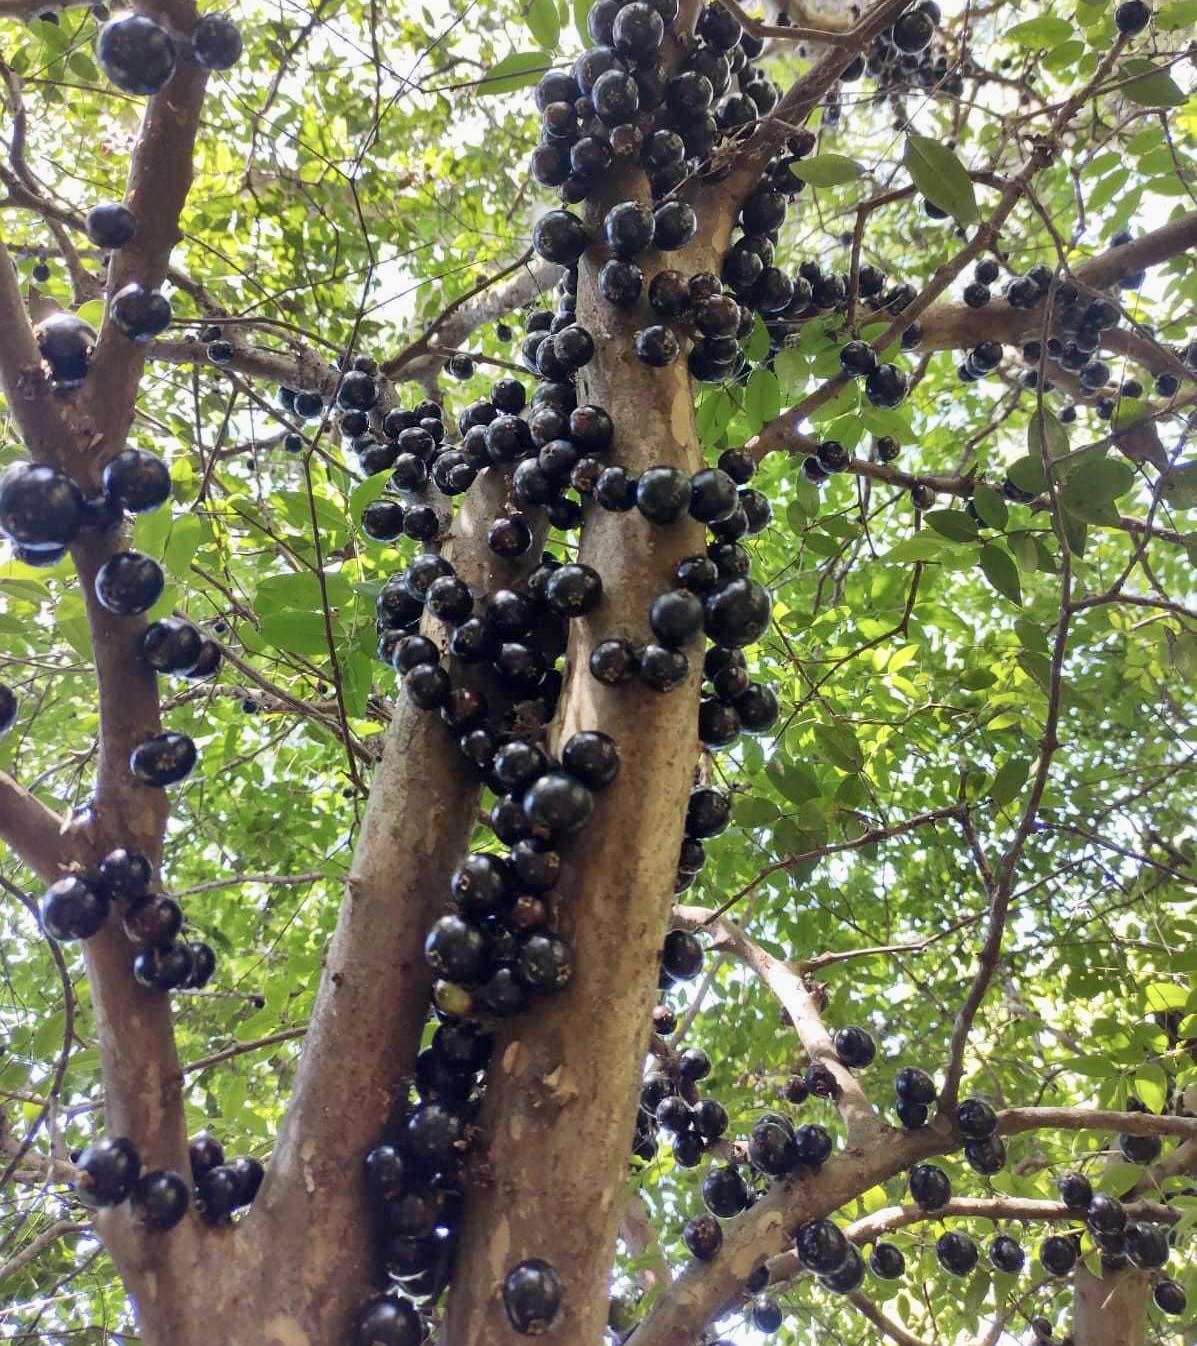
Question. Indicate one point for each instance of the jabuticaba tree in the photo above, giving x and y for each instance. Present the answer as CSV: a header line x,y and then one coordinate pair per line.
x,y
597,632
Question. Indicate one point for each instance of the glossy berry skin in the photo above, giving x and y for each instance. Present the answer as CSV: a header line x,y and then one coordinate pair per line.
x,y
656,346
136,54
129,583
164,969
886,386
855,1048
560,236
454,950
986,1156
1106,1215
676,617
532,1295
737,613
216,42
8,708
613,662
140,313
929,1186
66,344
710,1118
708,813
574,590
591,756
125,874
387,1320
106,1172
713,495
822,1246
170,645
1132,17
559,804
681,957
674,225
39,507
137,481
813,1143
73,908
956,1253
887,1262
110,225
911,1115
1058,1254
628,229
203,964
766,1314
1139,1149
772,1148
1146,1246
1007,1255
661,668
846,1277
724,1192
703,1237
976,1119
915,1085
663,494
1169,1297
155,920
163,759
1075,1190
160,1199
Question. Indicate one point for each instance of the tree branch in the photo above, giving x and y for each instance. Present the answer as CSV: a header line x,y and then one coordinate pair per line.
x,y
859,1116
59,1230
35,833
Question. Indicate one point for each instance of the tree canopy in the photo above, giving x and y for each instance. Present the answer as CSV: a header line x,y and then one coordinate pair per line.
x,y
969,831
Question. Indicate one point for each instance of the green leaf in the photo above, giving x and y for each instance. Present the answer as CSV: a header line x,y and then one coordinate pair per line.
x,y
582,9
185,536
1027,474
1011,777
1045,431
795,782
990,505
941,177
999,569
1170,18
1119,1178
1045,31
756,347
952,523
1180,486
542,18
827,170
1090,490
70,616
840,746
1154,86
298,632
515,71
762,397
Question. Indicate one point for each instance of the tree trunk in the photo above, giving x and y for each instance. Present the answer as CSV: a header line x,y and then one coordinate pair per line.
x,y
1109,1310
561,1098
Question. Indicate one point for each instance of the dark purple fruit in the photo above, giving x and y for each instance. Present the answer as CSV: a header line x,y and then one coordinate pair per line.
x,y
592,757
681,956
39,507
129,583
1075,1190
140,313
163,759
929,1186
387,1320
915,1085
708,812
66,343
110,225
1058,1254
613,662
170,645
73,908
160,1199
559,236
976,1119
855,1048
136,54
155,920
822,1246
532,1294
137,481
216,42
559,804
703,1237
956,1253
737,613
887,1261
1007,1255
724,1192
106,1171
